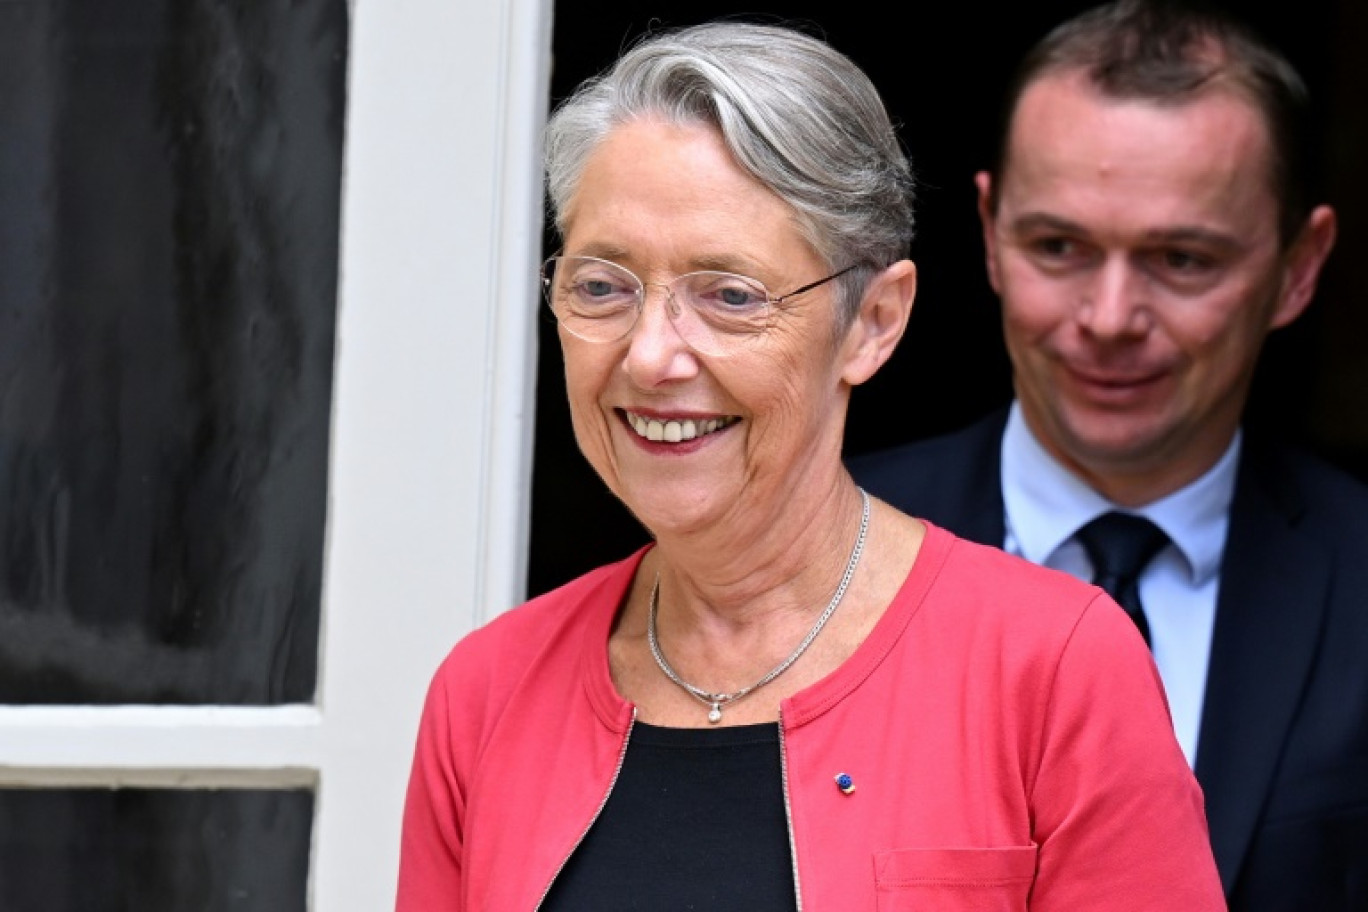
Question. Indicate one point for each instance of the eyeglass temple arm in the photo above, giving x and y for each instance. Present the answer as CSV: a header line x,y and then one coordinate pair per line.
x,y
812,285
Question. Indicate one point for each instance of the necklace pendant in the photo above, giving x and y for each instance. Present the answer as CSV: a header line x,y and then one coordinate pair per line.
x,y
715,701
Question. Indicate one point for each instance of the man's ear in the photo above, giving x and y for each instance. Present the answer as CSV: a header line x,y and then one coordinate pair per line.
x,y
876,329
1302,265
988,221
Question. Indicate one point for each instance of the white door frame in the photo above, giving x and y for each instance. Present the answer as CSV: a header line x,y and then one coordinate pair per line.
x,y
431,444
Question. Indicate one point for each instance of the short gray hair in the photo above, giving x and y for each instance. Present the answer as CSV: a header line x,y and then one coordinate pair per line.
x,y
796,114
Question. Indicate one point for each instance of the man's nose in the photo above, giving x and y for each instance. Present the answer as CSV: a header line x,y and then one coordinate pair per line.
x,y
1115,302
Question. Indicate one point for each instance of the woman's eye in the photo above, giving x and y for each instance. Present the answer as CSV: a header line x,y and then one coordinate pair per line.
x,y
596,289
723,292
738,297
600,289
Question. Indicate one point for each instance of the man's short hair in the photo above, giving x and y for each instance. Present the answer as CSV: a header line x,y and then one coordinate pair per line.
x,y
1169,52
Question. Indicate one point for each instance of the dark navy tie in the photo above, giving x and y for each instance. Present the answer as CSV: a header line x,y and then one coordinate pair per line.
x,y
1119,546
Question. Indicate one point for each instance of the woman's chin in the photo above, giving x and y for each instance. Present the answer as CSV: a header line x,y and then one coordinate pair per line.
x,y
675,509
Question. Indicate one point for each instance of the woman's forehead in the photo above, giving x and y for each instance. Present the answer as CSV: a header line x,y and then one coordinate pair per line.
x,y
668,192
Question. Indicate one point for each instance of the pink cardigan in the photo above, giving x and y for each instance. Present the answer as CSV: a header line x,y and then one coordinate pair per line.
x,y
1003,726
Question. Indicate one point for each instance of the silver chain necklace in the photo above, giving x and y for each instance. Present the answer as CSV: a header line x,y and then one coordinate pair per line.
x,y
715,701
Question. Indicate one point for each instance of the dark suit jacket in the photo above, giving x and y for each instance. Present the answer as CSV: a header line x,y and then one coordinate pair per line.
x,y
1282,756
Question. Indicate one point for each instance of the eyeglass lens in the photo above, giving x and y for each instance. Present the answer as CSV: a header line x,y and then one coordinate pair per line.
x,y
599,301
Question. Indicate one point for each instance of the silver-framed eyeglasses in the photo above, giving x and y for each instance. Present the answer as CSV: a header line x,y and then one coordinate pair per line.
x,y
716,313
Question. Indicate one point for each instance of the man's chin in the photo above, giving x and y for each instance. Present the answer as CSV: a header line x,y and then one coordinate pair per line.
x,y
1111,445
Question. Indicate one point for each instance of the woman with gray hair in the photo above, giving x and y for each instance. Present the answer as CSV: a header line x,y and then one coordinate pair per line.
x,y
796,696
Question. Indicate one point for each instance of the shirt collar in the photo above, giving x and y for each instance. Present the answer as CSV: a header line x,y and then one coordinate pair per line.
x,y
1046,503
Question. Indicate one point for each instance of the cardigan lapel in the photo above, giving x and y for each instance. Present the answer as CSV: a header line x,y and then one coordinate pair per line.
x,y
1269,615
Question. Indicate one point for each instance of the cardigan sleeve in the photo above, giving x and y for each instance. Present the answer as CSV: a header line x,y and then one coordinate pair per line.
x,y
1117,814
430,855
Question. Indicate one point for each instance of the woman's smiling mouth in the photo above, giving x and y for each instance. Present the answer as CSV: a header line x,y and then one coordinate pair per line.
x,y
675,430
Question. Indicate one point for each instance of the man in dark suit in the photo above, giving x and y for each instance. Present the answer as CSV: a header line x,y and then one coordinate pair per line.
x,y
1146,226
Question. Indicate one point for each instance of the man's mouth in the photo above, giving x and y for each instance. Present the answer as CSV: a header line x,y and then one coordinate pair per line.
x,y
1114,379
676,430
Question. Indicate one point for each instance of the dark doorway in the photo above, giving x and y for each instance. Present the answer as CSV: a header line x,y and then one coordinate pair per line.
x,y
941,68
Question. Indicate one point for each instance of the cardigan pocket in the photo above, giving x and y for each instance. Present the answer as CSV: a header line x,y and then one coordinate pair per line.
x,y
954,880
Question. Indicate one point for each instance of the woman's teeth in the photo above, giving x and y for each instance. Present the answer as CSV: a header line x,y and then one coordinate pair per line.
x,y
675,431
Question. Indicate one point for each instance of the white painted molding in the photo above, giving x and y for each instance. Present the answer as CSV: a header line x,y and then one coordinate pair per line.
x,y
518,230
432,434
159,746
431,446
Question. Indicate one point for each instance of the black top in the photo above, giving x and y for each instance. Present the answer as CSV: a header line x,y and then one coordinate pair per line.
x,y
695,821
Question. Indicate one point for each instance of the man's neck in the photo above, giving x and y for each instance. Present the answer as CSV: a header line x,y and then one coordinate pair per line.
x,y
1046,501
1132,482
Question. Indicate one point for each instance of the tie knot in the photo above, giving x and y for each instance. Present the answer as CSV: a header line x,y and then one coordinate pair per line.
x,y
1121,544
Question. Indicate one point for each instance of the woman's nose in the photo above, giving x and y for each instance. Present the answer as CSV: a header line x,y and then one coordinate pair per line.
x,y
656,352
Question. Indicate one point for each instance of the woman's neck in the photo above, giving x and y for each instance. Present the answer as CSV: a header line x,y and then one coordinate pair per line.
x,y
752,565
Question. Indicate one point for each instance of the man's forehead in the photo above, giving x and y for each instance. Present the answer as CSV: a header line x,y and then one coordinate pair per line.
x,y
1067,137
1220,98
1080,85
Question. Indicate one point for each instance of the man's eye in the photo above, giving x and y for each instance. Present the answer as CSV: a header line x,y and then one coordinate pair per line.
x,y
1184,261
1055,247
1057,254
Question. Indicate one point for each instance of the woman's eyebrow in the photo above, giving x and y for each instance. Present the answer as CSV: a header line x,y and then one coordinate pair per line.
x,y
600,251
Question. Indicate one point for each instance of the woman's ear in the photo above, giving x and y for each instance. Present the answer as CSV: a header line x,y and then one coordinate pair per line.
x,y
882,318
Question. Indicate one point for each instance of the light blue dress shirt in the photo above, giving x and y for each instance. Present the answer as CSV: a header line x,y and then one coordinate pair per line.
x,y
1046,504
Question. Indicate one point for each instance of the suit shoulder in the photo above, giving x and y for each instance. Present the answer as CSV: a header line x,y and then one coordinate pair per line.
x,y
1328,483
948,448
952,480
1318,495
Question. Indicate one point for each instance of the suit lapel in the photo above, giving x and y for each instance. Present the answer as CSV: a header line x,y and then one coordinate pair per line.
x,y
1269,614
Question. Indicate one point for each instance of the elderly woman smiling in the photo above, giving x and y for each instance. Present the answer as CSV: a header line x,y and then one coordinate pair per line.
x,y
796,697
